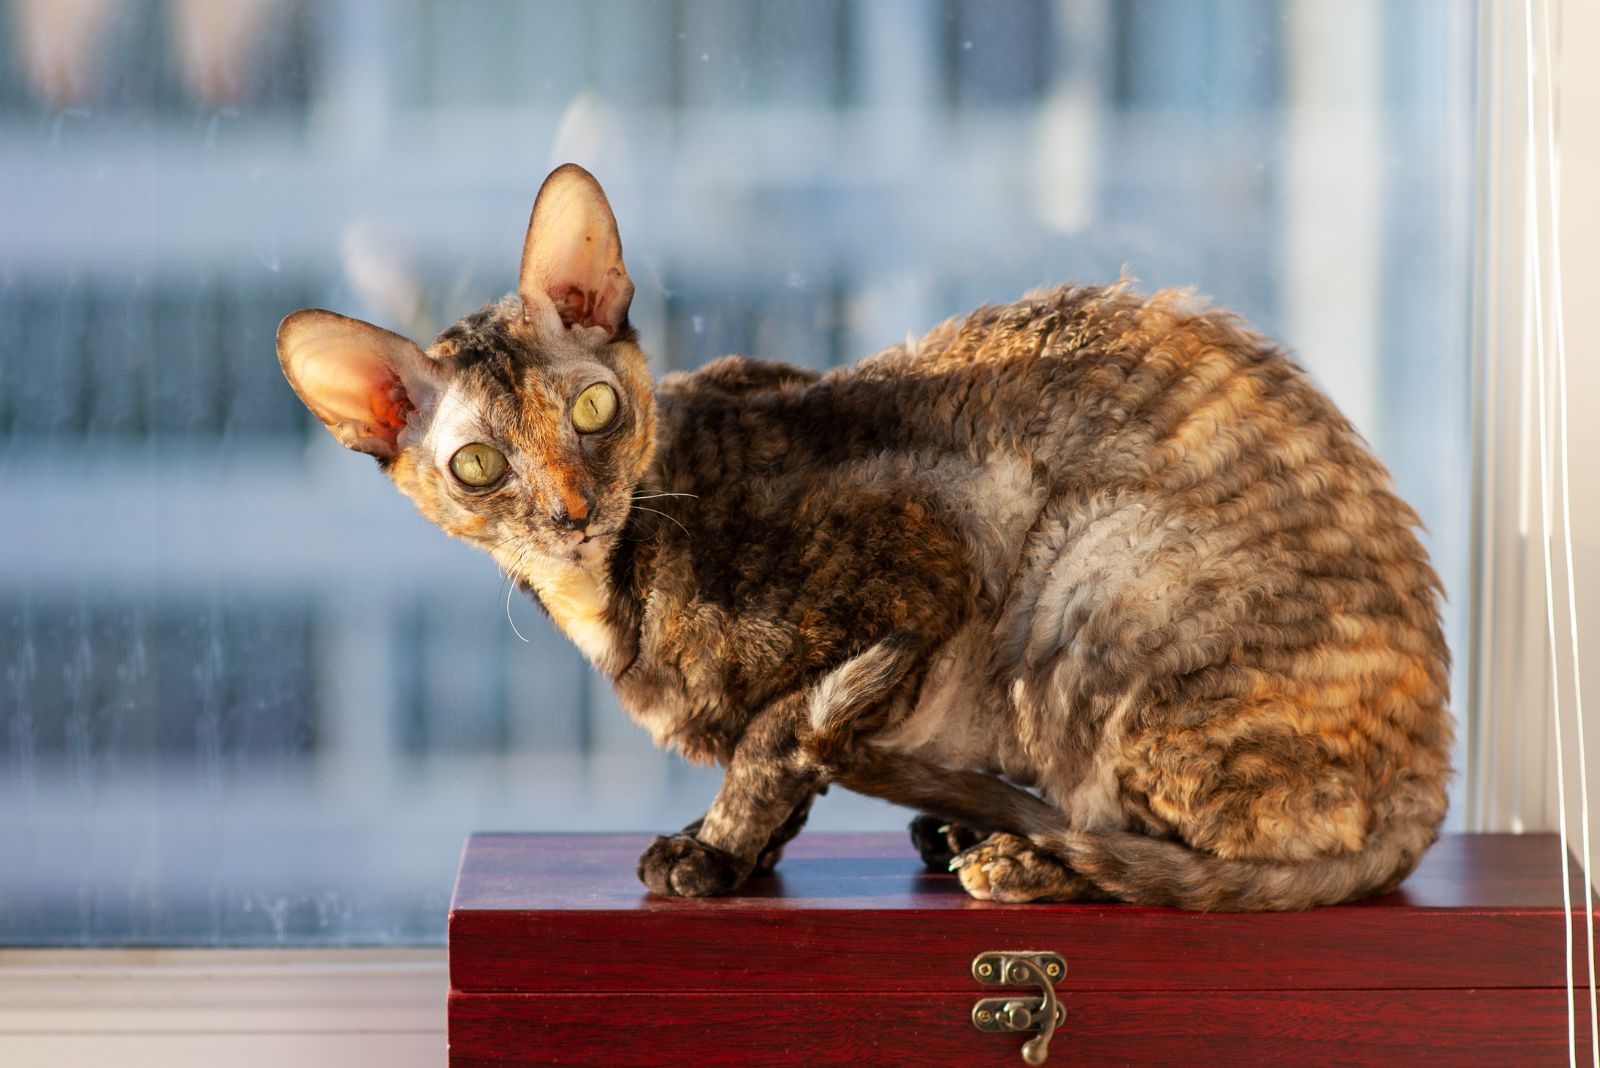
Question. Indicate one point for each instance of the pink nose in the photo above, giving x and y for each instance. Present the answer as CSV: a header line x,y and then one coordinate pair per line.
x,y
574,510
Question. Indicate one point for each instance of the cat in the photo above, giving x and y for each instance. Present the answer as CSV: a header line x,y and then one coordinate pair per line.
x,y
1100,584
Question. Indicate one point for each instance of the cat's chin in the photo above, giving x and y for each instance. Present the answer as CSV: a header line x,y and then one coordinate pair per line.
x,y
591,550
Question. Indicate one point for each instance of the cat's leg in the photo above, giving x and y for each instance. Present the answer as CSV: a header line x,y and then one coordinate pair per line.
x,y
938,840
1005,867
785,833
767,783
773,852
954,796
790,750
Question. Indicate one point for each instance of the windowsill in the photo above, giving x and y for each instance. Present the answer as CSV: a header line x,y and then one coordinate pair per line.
x,y
133,1007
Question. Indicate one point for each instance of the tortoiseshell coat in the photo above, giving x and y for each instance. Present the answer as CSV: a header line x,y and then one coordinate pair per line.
x,y
1117,551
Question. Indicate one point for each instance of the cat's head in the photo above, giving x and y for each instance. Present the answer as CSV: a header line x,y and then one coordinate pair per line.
x,y
525,426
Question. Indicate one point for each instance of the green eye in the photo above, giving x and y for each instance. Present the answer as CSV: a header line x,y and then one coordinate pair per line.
x,y
595,409
478,464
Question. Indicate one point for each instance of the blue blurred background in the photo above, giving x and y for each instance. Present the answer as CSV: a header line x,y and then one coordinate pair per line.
x,y
247,696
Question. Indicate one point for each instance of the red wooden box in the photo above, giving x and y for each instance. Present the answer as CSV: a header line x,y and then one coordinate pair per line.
x,y
852,954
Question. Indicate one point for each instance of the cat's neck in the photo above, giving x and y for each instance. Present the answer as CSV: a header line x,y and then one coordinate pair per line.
x,y
578,598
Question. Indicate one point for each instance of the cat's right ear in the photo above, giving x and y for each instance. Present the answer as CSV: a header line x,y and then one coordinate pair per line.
x,y
364,382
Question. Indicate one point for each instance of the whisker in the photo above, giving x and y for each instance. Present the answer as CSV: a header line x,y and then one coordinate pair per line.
x,y
505,572
497,546
510,586
653,496
505,540
664,515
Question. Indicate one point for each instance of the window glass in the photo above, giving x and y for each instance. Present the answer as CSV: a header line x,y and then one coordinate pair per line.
x,y
247,695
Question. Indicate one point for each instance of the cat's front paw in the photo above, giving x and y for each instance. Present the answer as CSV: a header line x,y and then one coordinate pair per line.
x,y
680,865
939,840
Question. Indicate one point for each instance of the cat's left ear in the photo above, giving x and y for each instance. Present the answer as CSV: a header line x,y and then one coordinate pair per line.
x,y
572,276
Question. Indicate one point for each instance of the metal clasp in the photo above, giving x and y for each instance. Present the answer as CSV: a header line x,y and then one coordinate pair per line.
x,y
1009,1015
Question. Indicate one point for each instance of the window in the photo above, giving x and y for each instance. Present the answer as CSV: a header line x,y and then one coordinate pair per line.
x,y
247,697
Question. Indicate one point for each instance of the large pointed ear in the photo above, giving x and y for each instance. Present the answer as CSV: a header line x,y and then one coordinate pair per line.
x,y
572,276
365,383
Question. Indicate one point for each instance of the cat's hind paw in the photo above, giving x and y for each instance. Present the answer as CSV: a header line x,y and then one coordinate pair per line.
x,y
1004,867
680,865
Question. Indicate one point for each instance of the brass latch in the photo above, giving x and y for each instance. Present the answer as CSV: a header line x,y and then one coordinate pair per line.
x,y
1009,1015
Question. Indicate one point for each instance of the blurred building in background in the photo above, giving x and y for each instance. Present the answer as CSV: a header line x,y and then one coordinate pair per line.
x,y
246,695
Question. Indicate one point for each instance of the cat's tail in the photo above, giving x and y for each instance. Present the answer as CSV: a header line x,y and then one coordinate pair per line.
x,y
1154,871
1157,871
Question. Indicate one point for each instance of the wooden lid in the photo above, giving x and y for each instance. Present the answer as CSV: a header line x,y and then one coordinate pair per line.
x,y
857,912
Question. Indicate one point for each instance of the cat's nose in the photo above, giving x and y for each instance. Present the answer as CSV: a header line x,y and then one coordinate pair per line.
x,y
569,521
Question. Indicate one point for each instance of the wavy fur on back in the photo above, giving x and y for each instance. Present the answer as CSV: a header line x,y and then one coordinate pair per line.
x,y
1217,651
